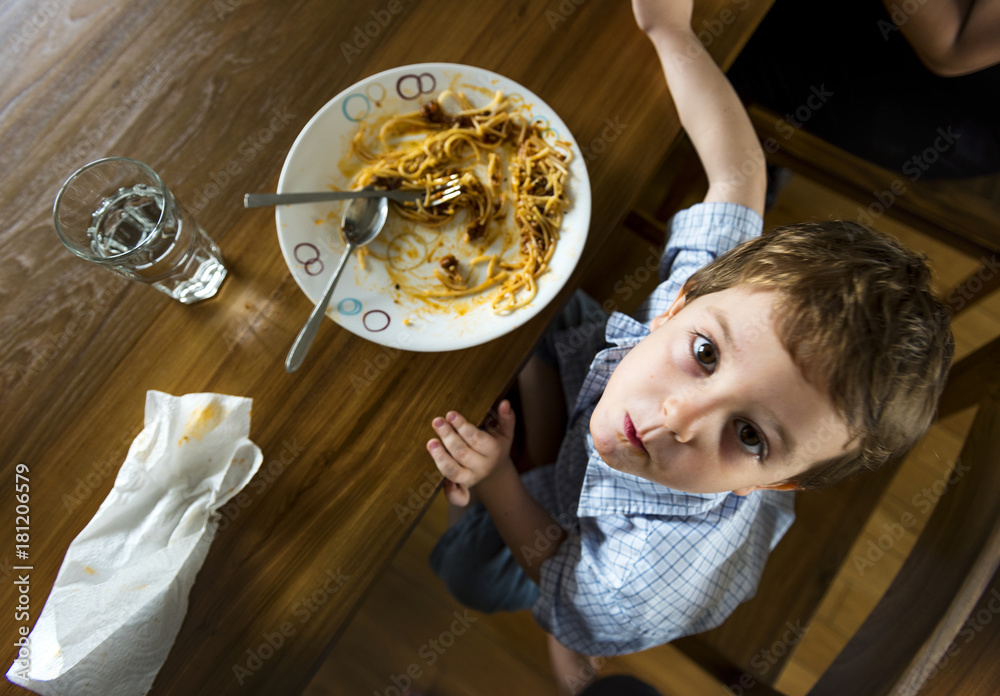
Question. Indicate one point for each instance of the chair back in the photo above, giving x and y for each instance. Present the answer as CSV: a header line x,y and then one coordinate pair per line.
x,y
924,616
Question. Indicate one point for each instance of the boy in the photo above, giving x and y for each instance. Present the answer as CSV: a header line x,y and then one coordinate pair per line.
x,y
796,359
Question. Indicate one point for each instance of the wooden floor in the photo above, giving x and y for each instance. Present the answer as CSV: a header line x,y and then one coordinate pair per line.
x,y
410,632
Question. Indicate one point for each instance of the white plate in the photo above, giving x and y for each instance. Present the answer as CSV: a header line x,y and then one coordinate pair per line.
x,y
365,301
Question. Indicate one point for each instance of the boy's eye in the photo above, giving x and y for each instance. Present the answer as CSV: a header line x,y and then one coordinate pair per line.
x,y
750,438
704,353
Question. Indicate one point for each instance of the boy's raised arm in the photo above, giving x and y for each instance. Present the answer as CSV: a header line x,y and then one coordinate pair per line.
x,y
709,109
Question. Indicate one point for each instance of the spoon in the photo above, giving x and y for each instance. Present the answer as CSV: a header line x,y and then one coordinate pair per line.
x,y
362,221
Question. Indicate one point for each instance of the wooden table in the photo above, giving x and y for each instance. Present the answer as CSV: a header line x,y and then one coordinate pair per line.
x,y
211,95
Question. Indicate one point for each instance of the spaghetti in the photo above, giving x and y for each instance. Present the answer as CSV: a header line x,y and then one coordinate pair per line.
x,y
425,149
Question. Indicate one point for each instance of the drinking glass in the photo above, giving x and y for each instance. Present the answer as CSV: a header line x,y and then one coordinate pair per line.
x,y
118,213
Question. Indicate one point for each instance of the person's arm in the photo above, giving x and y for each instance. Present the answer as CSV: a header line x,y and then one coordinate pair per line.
x,y
951,37
470,457
708,107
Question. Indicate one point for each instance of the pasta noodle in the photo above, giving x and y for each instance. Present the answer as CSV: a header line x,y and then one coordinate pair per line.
x,y
424,149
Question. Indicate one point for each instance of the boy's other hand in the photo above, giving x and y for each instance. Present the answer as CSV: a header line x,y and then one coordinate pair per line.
x,y
656,15
468,456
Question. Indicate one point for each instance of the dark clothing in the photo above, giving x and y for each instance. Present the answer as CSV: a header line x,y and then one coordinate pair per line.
x,y
845,73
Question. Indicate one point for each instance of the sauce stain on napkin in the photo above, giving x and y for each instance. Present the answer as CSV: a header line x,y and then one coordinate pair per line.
x,y
201,422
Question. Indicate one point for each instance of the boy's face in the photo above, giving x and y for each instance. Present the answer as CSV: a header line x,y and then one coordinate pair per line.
x,y
712,402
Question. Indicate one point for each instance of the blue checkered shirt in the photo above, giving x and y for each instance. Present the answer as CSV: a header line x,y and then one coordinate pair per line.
x,y
644,564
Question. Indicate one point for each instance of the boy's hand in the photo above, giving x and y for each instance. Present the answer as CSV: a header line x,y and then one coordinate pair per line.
x,y
467,456
654,15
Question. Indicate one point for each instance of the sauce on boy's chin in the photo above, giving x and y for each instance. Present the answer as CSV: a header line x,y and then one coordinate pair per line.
x,y
614,447
620,452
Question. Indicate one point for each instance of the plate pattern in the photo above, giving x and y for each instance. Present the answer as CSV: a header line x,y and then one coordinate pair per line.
x,y
307,233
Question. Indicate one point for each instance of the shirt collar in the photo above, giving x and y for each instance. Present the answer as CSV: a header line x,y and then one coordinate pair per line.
x,y
609,491
624,331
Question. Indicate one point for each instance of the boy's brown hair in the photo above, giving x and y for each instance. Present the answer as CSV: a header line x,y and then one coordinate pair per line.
x,y
860,320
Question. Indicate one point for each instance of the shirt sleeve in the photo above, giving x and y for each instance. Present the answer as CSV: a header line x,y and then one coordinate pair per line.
x,y
698,235
580,602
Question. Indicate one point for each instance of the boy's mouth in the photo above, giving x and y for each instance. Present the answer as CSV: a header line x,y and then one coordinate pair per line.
x,y
631,434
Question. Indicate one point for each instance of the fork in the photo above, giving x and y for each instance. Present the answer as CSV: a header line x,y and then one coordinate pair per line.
x,y
440,193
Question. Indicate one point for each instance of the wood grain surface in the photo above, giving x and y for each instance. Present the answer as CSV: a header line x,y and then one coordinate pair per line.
x,y
211,95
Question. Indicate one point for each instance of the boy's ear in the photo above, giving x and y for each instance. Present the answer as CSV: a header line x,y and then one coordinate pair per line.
x,y
658,321
768,487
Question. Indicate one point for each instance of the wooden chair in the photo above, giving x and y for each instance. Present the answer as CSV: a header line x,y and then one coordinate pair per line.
x,y
918,621
971,668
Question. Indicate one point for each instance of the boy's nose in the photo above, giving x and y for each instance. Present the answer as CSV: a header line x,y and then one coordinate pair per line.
x,y
685,413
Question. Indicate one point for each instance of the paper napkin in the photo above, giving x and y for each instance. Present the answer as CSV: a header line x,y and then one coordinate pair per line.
x,y
122,590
